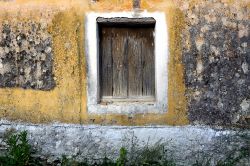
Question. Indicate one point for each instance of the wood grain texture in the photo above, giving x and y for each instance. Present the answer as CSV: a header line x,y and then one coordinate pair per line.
x,y
127,63
106,63
119,54
126,22
135,63
148,63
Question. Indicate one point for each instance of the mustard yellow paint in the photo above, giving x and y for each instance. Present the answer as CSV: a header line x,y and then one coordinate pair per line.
x,y
67,101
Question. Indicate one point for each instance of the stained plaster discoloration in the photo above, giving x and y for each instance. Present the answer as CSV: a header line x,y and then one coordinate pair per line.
x,y
44,106
26,57
216,57
214,54
67,101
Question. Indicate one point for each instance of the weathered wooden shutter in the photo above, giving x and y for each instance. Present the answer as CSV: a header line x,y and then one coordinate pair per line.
x,y
127,65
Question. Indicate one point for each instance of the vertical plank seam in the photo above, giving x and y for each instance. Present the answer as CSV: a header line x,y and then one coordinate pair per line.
x,y
127,43
112,87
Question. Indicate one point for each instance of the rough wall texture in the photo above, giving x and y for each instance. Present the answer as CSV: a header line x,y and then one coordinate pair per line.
x,y
216,55
42,48
60,31
26,56
185,145
66,102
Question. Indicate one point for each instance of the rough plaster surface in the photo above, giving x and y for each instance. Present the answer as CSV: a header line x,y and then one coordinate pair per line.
x,y
26,56
185,144
216,55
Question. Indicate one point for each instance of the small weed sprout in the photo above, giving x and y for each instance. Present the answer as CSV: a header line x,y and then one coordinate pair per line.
x,y
122,160
18,149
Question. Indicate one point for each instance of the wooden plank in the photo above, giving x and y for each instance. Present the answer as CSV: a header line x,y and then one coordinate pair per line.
x,y
106,63
119,54
148,63
126,22
127,63
134,62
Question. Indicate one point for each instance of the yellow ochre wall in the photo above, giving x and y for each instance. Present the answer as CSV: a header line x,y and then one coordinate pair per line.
x,y
66,103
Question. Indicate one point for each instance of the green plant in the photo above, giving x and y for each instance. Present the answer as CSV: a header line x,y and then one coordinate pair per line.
x,y
154,155
105,162
65,161
121,161
18,150
203,163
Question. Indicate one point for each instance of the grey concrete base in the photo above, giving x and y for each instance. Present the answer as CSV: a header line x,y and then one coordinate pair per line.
x,y
184,144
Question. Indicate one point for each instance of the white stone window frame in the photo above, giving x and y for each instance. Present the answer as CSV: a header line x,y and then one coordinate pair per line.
x,y
161,67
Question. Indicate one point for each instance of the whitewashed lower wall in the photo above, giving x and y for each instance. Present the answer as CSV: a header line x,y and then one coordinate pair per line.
x,y
185,144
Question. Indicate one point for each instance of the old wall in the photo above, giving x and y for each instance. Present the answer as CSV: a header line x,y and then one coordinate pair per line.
x,y
186,145
43,65
216,58
39,95
43,79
